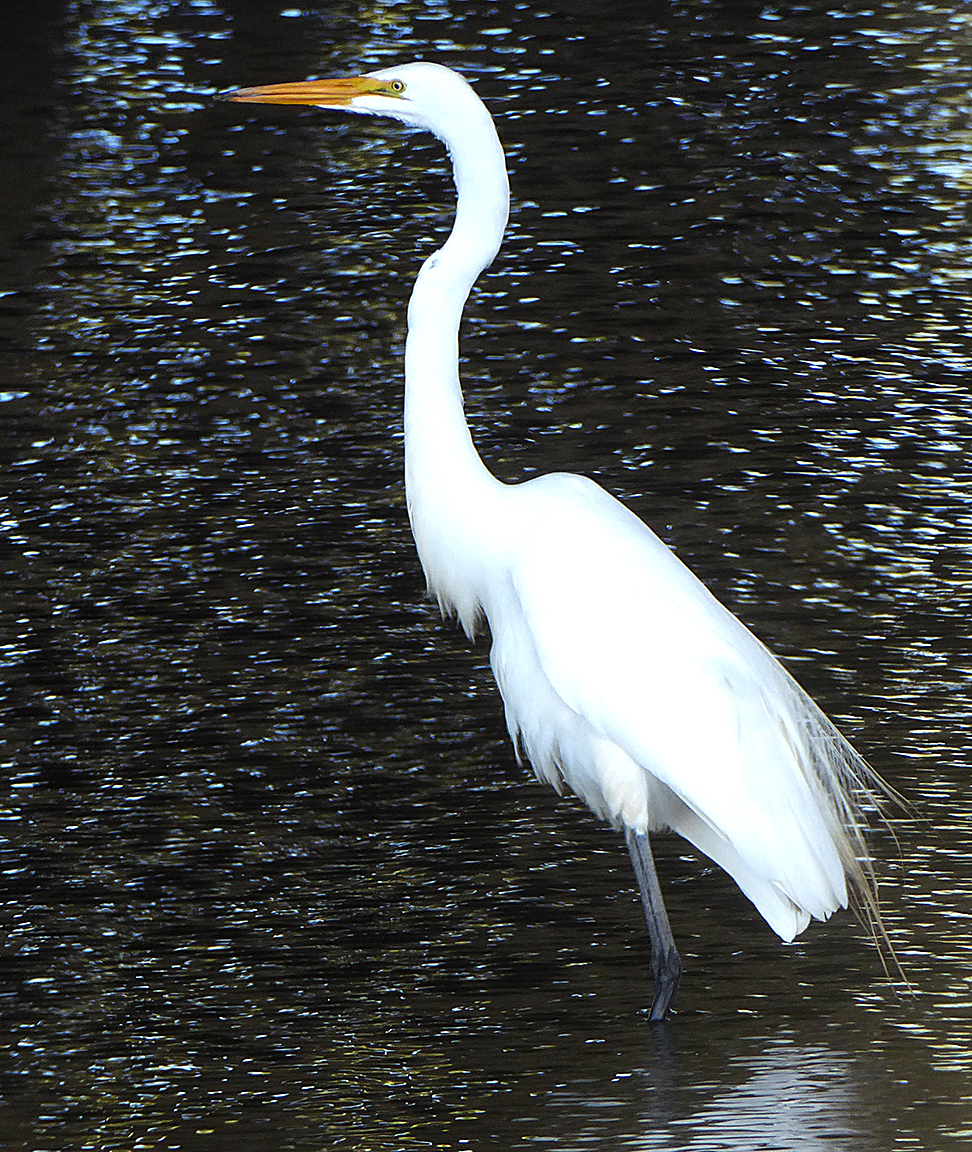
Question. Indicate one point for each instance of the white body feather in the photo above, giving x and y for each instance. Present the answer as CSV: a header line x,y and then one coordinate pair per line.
x,y
622,677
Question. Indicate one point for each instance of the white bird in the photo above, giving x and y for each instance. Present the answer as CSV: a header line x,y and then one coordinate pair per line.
x,y
622,677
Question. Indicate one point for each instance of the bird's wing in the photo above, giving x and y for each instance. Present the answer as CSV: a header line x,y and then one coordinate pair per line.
x,y
633,642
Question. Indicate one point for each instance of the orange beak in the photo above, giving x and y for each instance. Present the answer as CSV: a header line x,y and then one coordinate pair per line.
x,y
325,93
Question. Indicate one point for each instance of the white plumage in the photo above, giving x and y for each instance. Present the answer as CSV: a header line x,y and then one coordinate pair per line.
x,y
623,678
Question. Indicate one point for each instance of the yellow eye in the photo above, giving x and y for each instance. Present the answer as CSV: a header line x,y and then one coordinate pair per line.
x,y
397,85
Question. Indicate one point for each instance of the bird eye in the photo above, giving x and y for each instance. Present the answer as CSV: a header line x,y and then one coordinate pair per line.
x,y
397,85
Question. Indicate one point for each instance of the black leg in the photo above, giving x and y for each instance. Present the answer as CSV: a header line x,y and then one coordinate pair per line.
x,y
666,967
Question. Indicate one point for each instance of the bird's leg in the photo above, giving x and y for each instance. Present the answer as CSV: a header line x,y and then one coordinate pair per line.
x,y
666,966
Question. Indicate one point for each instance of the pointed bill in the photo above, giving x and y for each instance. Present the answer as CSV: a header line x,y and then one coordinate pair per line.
x,y
338,93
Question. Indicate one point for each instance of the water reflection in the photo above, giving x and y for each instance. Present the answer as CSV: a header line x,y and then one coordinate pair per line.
x,y
796,1098
269,870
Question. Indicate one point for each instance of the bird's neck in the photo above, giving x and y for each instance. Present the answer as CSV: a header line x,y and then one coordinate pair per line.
x,y
447,485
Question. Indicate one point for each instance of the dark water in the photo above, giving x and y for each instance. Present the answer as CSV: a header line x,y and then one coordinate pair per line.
x,y
271,877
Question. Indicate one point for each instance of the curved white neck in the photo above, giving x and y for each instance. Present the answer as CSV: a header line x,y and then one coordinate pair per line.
x,y
432,387
445,480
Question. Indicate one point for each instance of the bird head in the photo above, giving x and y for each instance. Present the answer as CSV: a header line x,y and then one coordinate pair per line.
x,y
421,94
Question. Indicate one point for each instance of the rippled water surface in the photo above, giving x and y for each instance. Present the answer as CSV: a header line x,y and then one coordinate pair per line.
x,y
271,875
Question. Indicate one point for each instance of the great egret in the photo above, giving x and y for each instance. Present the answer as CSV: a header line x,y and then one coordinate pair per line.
x,y
623,678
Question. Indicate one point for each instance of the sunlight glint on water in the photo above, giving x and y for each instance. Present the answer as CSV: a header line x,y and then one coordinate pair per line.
x,y
270,871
